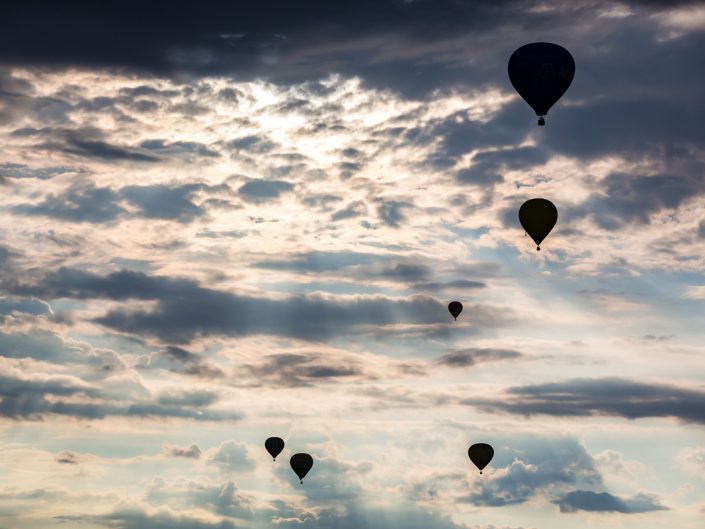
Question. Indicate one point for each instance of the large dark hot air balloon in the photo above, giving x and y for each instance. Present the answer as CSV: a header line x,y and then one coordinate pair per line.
x,y
481,454
538,216
274,446
455,308
301,464
541,72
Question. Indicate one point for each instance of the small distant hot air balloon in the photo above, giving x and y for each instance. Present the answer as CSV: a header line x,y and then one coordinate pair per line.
x,y
274,446
481,454
301,464
455,308
538,216
541,72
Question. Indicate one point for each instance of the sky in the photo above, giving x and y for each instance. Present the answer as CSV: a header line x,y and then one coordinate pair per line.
x,y
225,222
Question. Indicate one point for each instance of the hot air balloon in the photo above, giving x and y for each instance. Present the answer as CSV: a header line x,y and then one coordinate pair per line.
x,y
481,454
274,446
455,308
538,216
541,72
301,464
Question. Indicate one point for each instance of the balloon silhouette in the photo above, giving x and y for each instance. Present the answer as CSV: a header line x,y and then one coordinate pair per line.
x,y
481,454
301,464
455,308
274,446
541,72
538,216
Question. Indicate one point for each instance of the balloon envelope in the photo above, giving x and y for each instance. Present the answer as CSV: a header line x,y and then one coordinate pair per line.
x,y
274,446
481,454
455,308
541,72
301,464
538,216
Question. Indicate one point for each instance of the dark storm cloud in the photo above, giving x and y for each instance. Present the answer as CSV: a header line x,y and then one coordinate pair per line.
x,y
584,500
185,310
274,39
471,356
86,142
632,199
633,104
458,134
606,396
264,190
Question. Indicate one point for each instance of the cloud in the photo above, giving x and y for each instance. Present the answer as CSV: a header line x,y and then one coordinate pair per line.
x,y
18,170
471,356
305,369
232,456
408,516
455,285
67,457
487,167
82,202
192,452
86,142
692,460
632,199
539,466
213,312
189,151
164,201
224,499
391,212
252,144
126,517
33,397
28,306
584,500
264,190
354,209
603,396
79,203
